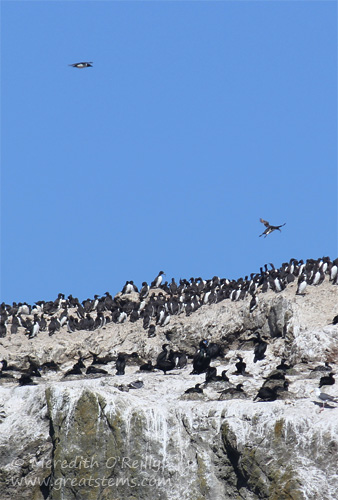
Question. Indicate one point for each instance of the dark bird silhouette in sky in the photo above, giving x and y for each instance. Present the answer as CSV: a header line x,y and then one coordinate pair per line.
x,y
269,229
82,65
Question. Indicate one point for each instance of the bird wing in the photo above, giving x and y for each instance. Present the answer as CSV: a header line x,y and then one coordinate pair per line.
x,y
266,224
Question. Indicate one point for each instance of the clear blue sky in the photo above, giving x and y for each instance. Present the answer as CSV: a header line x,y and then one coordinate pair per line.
x,y
197,119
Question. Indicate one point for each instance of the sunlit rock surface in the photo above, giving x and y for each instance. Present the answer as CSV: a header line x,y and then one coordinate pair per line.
x,y
85,438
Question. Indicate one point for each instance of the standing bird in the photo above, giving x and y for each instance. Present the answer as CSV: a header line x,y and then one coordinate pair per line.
x,y
129,287
201,359
157,281
240,366
144,292
269,228
253,303
260,348
324,397
302,284
82,65
163,361
35,328
120,364
76,370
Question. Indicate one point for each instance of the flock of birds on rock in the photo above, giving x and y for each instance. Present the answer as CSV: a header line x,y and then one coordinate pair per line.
x,y
275,385
155,304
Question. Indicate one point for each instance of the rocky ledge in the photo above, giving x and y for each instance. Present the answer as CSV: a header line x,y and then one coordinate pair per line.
x,y
93,437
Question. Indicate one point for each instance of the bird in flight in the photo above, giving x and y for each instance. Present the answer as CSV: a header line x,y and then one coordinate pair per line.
x,y
269,228
82,65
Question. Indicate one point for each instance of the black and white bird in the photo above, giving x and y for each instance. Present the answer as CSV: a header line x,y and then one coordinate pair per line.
x,y
129,287
253,303
35,328
157,281
82,65
269,229
144,292
302,284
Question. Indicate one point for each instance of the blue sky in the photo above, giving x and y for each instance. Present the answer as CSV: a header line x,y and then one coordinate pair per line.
x,y
197,119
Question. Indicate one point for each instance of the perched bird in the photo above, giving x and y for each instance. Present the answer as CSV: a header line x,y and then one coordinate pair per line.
x,y
232,391
164,362
101,361
152,331
322,368
93,370
82,65
181,359
214,350
196,389
324,397
49,365
157,281
240,366
269,228
76,370
201,359
253,303
274,375
283,366
26,380
302,284
35,328
144,292
147,367
129,287
120,364
211,375
327,380
267,393
260,348
136,385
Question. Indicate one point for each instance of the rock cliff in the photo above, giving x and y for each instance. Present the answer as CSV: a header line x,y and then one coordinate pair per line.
x,y
89,437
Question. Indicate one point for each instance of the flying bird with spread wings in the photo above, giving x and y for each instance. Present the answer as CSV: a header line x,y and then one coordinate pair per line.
x,y
269,228
82,65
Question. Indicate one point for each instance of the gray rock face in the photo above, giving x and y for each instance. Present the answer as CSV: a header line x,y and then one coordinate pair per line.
x,y
86,439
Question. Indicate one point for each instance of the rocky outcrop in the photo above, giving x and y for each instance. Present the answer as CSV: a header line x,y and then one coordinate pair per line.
x,y
88,439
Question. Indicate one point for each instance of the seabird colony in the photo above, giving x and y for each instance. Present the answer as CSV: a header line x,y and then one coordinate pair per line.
x,y
153,307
